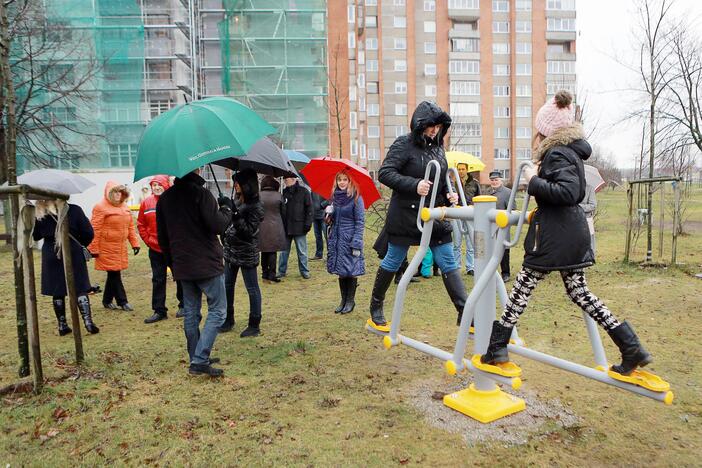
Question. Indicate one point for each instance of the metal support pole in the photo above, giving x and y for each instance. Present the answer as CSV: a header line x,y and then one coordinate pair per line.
x,y
595,341
27,214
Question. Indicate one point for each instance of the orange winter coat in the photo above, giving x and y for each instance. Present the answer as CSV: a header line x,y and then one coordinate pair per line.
x,y
113,225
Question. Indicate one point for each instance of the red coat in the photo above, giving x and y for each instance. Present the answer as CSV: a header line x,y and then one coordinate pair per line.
x,y
146,221
113,225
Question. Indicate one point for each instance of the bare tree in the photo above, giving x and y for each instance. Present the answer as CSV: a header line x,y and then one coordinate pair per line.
x,y
337,101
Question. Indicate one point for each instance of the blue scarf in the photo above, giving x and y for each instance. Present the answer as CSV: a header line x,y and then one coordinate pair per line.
x,y
341,198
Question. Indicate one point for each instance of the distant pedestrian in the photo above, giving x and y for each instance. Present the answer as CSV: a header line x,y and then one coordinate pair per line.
x,y
471,188
146,225
297,218
346,216
272,231
188,222
242,251
114,226
498,189
319,204
589,206
53,278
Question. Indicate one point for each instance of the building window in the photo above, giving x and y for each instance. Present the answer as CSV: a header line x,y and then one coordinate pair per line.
x,y
430,48
523,90
560,67
400,43
352,13
500,26
464,66
373,109
399,21
372,65
400,109
523,5
352,40
157,106
400,87
398,2
524,132
361,103
373,131
523,26
429,5
500,90
429,26
354,147
122,155
400,65
524,111
464,4
361,57
465,45
553,88
430,69
555,49
560,4
371,21
353,120
523,153
373,154
371,2
465,109
524,69
465,88
430,90
500,69
501,132
372,43
560,24
372,87
475,150
363,151
500,48
361,80
524,48
501,112
400,130
461,129
500,5
501,153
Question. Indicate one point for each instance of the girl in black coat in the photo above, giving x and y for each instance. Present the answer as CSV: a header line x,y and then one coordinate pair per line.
x,y
242,251
558,237
53,279
403,171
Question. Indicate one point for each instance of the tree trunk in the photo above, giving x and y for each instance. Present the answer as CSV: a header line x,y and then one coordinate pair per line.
x,y
651,152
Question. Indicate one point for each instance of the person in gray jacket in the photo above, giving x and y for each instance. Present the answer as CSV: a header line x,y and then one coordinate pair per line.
x,y
498,189
589,206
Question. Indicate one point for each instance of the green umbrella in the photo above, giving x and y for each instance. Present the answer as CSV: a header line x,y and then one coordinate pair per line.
x,y
198,133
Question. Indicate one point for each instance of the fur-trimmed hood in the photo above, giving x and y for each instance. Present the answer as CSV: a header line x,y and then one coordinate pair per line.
x,y
572,136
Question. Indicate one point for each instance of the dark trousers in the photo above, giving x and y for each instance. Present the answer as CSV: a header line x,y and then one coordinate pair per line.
x,y
320,236
269,262
504,264
114,289
251,283
159,280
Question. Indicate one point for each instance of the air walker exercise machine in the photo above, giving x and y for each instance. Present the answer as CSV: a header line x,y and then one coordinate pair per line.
x,y
484,400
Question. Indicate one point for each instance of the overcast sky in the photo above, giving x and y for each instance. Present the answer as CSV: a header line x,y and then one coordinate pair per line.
x,y
605,41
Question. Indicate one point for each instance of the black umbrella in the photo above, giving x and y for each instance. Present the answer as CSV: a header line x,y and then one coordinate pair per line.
x,y
264,157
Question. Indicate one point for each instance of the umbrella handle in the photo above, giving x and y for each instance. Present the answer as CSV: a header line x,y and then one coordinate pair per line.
x,y
219,191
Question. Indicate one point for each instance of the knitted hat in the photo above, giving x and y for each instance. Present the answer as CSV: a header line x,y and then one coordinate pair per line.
x,y
556,113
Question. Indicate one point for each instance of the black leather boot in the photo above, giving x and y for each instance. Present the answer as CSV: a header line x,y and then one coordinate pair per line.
x,y
383,278
456,291
228,324
252,329
84,308
60,311
633,353
497,349
351,285
343,287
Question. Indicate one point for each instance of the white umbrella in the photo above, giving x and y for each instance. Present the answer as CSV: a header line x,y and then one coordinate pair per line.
x,y
593,177
56,180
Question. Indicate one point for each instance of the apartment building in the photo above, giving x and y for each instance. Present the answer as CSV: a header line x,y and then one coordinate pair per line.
x,y
489,63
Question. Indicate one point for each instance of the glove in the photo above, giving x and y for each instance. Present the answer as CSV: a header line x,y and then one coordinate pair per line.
x,y
136,250
355,252
95,255
225,201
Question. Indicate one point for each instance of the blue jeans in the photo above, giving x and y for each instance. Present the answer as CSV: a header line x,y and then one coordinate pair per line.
x,y
458,242
251,283
301,248
443,256
200,344
320,236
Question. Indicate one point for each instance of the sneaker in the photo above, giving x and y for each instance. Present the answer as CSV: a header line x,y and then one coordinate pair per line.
x,y
127,307
250,331
110,306
276,279
214,360
306,275
226,327
317,257
180,313
156,317
205,369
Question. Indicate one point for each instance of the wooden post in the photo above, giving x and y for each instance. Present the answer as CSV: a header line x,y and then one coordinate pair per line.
x,y
27,214
20,306
70,283
630,200
676,221
661,224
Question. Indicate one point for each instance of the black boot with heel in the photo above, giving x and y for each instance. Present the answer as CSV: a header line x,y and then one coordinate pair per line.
x,y
497,349
383,278
633,353
60,311
343,287
86,313
350,303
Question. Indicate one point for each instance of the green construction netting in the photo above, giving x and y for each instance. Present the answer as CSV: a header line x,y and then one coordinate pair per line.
x,y
98,46
274,60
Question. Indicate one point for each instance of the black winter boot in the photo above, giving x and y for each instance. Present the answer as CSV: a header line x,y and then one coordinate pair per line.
x,y
401,271
60,311
252,329
383,278
228,322
456,291
85,312
633,353
351,285
497,349
343,288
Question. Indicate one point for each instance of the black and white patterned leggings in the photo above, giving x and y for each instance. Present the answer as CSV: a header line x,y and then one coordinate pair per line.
x,y
576,287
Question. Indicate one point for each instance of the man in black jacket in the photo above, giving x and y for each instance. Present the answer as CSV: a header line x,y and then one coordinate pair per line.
x,y
297,218
498,189
320,229
188,222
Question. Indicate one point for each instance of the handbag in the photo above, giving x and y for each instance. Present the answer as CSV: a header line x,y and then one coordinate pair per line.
x,y
86,253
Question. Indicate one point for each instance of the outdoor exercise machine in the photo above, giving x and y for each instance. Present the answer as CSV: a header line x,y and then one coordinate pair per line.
x,y
484,400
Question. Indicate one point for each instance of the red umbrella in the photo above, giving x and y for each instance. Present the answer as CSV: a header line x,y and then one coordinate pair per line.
x,y
321,175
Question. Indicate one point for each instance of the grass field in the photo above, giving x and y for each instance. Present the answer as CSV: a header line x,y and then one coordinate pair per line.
x,y
316,389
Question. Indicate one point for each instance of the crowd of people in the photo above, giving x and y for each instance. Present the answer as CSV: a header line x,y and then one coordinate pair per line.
x,y
206,241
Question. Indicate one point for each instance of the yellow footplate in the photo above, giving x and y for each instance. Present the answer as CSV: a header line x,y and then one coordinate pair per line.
x,y
382,328
642,379
506,369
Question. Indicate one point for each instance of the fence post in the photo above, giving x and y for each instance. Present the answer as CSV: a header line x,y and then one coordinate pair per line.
x,y
676,221
20,306
70,283
630,200
27,215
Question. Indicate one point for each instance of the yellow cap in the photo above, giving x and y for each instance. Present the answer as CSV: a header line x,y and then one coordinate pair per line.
x,y
484,199
501,219
668,400
425,214
516,383
387,342
450,367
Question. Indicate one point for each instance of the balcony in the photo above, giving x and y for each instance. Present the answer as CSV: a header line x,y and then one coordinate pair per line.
x,y
456,33
560,36
464,14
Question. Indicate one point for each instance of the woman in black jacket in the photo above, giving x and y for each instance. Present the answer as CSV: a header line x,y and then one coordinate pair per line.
x,y
403,171
558,237
241,250
272,230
